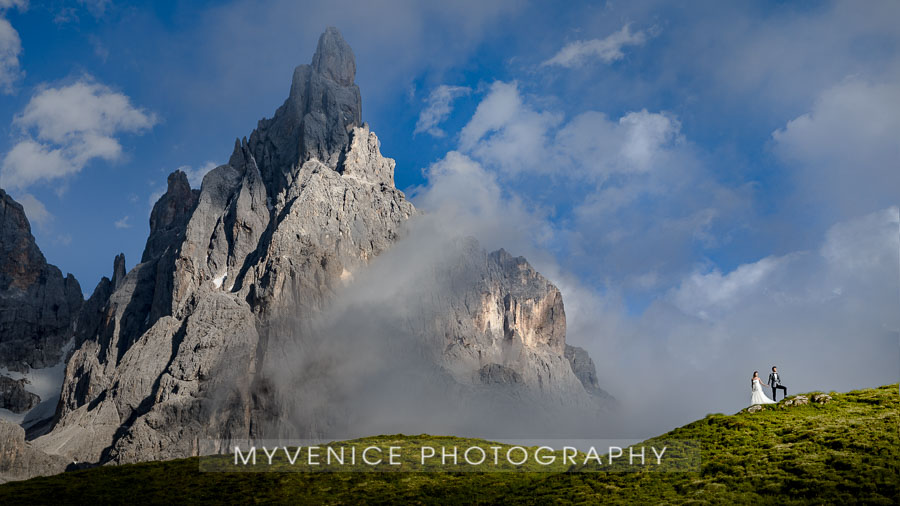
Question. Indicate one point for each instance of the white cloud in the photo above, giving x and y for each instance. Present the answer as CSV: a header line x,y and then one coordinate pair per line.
x,y
645,135
10,48
847,148
460,184
30,161
82,108
507,133
510,134
122,223
607,50
195,176
67,127
499,108
864,245
700,293
35,210
638,142
467,200
846,290
439,106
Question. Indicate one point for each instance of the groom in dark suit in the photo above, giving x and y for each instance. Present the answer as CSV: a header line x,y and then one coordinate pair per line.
x,y
775,383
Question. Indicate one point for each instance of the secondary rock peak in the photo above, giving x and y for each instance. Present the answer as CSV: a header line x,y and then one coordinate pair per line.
x,y
170,215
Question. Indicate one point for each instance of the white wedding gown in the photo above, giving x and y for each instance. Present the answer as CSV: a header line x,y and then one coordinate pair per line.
x,y
757,395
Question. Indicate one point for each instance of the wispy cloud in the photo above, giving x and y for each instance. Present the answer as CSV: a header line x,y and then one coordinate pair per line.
x,y
65,128
607,50
511,134
847,147
122,223
438,108
10,48
96,7
195,175
35,210
63,239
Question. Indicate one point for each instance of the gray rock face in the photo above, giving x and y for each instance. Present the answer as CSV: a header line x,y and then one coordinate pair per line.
x,y
37,304
506,321
236,276
585,371
496,316
14,397
19,461
500,374
334,58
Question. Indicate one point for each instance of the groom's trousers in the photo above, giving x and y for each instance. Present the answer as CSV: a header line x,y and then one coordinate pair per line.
x,y
775,392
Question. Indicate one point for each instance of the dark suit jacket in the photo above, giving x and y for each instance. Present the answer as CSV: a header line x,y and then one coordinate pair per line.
x,y
774,379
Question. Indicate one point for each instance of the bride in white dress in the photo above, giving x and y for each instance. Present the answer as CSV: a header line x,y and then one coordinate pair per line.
x,y
757,395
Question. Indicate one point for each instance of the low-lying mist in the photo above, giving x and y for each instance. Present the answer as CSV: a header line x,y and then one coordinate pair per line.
x,y
371,362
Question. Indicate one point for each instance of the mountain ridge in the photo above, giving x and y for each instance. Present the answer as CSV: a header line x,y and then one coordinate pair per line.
x,y
260,270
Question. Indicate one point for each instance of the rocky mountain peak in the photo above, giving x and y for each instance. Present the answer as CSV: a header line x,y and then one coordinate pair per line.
x,y
170,215
334,58
10,209
315,121
224,329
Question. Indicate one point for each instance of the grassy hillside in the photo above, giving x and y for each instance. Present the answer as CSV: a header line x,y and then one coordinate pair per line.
x,y
847,450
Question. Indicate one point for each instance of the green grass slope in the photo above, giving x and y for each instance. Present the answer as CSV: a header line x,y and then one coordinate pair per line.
x,y
844,451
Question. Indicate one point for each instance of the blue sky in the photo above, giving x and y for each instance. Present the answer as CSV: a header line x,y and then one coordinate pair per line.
x,y
674,168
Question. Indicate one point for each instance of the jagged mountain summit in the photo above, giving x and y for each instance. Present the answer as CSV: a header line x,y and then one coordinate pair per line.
x,y
264,306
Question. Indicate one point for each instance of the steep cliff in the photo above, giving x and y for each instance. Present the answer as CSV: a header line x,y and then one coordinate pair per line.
x,y
37,304
19,461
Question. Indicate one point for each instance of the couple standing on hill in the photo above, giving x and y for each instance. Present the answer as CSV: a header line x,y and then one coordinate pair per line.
x,y
757,396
